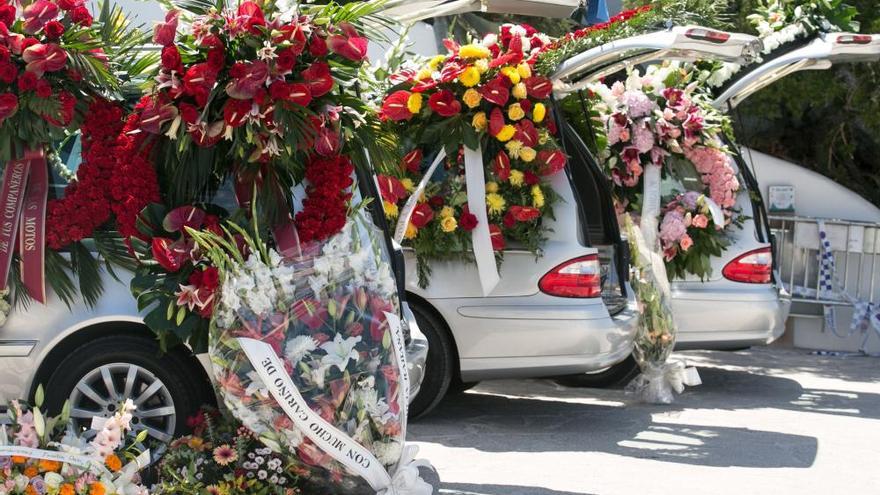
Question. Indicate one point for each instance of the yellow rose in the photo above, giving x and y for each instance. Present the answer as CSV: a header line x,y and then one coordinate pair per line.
x,y
513,148
537,196
408,184
391,210
515,112
539,112
472,98
495,203
506,133
527,154
447,211
491,187
520,92
516,178
414,103
435,62
411,232
448,224
524,70
482,65
480,122
424,74
512,74
474,51
470,77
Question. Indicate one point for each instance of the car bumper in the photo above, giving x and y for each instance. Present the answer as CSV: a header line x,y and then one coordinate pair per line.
x,y
729,318
416,352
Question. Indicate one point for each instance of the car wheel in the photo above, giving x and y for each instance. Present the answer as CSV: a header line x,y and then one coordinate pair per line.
x,y
459,387
439,367
98,376
619,374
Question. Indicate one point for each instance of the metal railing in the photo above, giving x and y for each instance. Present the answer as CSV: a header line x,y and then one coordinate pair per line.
x,y
856,247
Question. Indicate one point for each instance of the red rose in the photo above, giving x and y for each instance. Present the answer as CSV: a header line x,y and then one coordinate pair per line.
x,y
395,106
467,221
539,87
53,30
327,142
317,45
524,213
27,81
530,178
81,16
444,103
496,121
497,237
501,164
421,215
171,58
248,79
286,61
412,161
37,14
436,201
210,278
189,113
8,72
318,77
509,220
43,88
235,112
496,91
198,82
550,162
164,32
8,105
7,14
4,54
42,58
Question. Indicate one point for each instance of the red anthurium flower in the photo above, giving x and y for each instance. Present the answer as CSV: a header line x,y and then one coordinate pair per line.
x,y
501,164
426,85
285,61
184,216
154,115
65,110
524,213
496,91
248,78
164,32
171,58
395,106
451,71
467,221
391,189
539,87
205,135
550,162
294,34
319,79
37,14
235,112
496,121
444,103
451,45
81,15
297,93
421,215
8,105
526,133
198,82
7,14
497,237
317,45
42,58
412,161
349,44
70,4
251,17
530,178
169,254
327,142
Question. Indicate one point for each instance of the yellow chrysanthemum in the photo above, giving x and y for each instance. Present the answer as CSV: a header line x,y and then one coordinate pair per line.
x,y
543,136
470,77
411,232
472,98
480,121
515,112
527,154
424,74
448,224
495,203
524,70
474,51
447,211
414,103
512,74
516,178
506,133
520,92
513,148
482,65
435,62
539,112
408,184
491,187
391,210
537,196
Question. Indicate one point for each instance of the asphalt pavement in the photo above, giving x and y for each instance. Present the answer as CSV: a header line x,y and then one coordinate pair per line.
x,y
764,421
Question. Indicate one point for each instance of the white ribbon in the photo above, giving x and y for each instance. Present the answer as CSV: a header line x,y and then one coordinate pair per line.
x,y
648,223
717,213
399,344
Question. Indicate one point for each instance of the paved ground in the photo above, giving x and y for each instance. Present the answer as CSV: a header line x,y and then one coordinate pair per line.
x,y
765,421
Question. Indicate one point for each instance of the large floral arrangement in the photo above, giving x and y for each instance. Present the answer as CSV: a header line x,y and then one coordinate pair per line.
x,y
659,119
41,454
483,95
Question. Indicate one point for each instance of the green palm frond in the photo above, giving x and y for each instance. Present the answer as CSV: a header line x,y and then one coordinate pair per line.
x,y
195,7
88,273
58,275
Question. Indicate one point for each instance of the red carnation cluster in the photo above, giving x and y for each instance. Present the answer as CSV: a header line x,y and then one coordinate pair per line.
x,y
584,32
86,204
324,209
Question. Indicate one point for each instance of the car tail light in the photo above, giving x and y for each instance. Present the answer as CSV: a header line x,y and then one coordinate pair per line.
x,y
580,277
707,35
754,267
855,39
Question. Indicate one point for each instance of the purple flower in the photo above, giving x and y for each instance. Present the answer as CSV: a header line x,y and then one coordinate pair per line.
x,y
39,485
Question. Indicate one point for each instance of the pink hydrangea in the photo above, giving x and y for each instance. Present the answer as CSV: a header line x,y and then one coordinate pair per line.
x,y
643,137
638,104
672,228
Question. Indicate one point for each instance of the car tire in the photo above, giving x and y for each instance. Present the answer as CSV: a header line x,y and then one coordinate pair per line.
x,y
159,383
439,367
618,375
459,387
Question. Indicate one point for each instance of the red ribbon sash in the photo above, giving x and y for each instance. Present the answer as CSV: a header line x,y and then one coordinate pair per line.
x,y
23,207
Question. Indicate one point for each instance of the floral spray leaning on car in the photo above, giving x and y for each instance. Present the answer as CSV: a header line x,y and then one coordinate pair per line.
x,y
308,353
